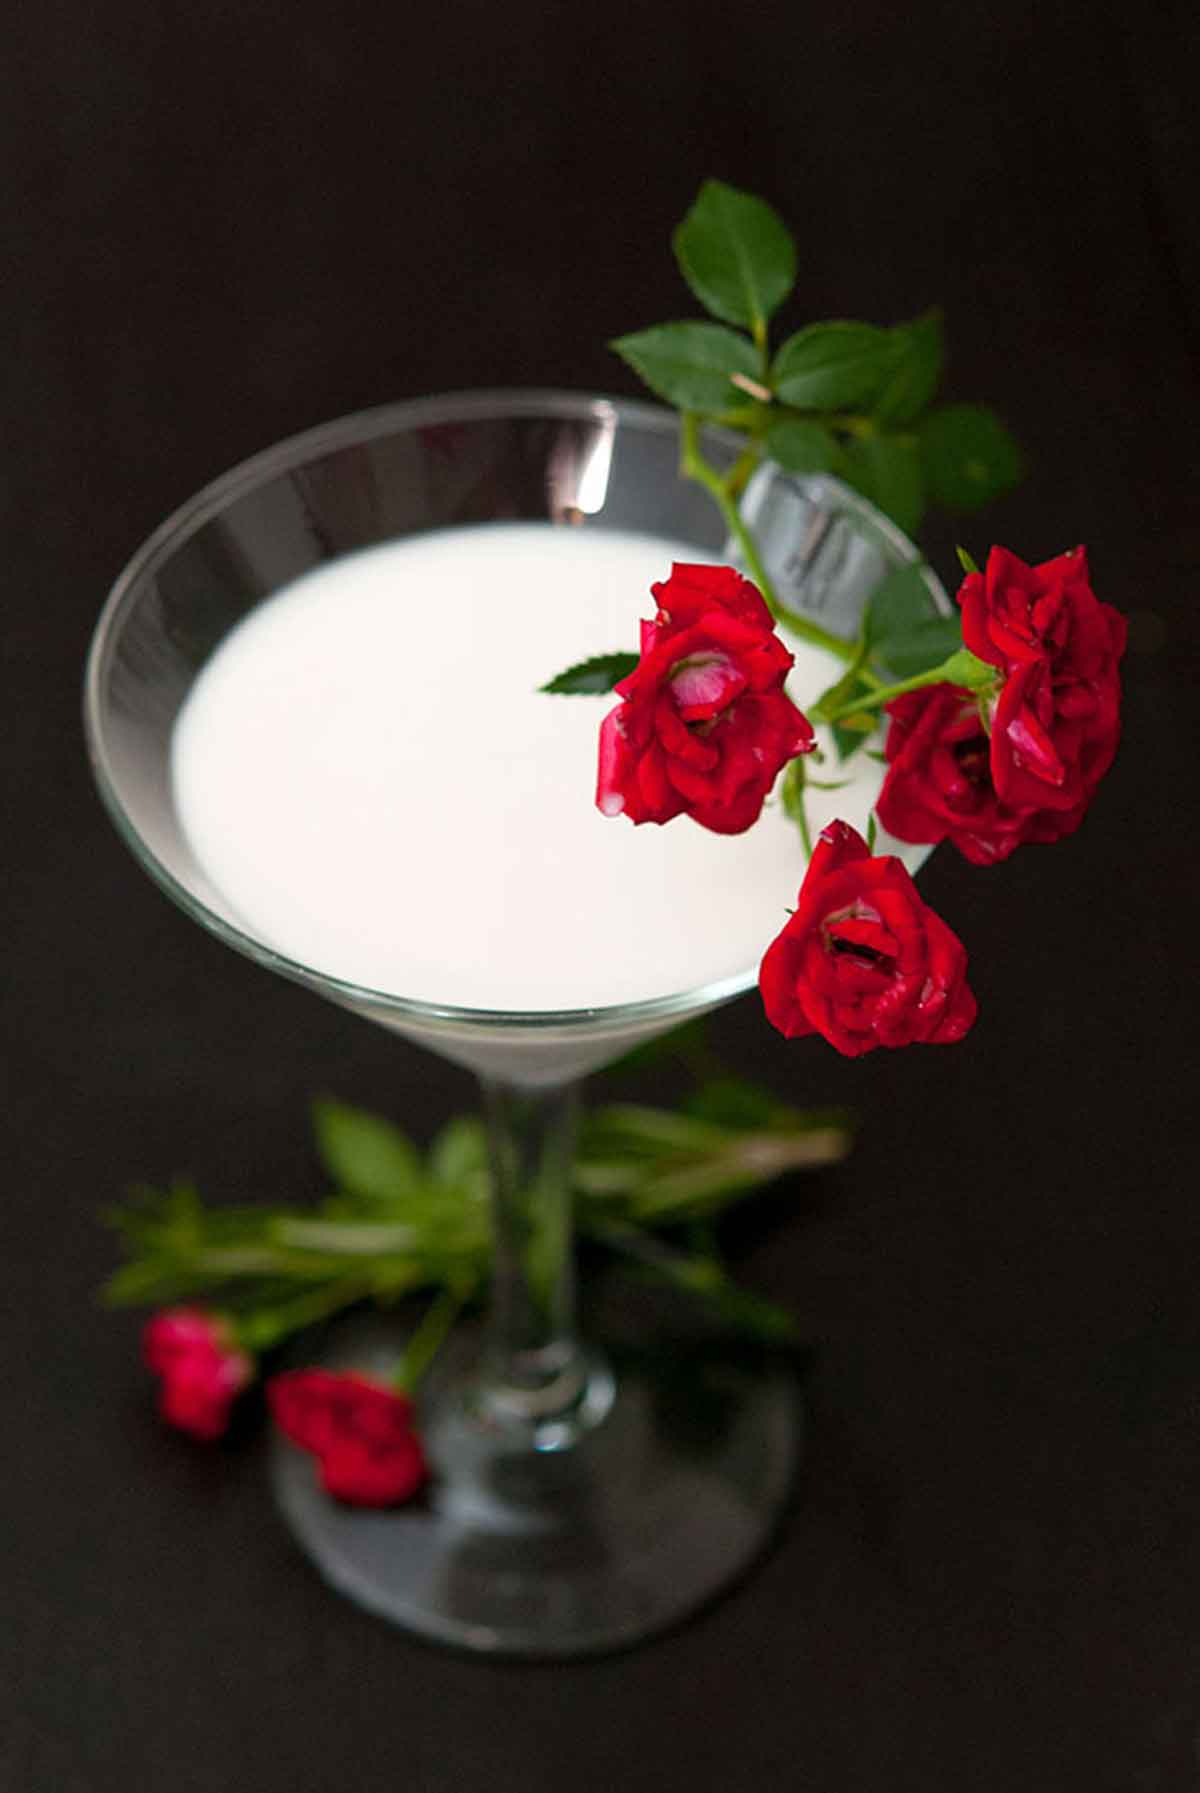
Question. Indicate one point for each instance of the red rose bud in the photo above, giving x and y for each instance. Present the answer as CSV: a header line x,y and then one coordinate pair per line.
x,y
863,960
704,726
1056,721
1012,612
939,781
360,1432
202,1369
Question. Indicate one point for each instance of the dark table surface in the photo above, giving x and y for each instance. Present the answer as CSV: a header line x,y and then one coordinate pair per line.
x,y
222,224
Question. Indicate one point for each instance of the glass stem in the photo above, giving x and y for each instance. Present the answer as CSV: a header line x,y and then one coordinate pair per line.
x,y
536,1372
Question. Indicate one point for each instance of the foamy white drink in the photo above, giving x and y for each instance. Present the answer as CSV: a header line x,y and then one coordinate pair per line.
x,y
368,775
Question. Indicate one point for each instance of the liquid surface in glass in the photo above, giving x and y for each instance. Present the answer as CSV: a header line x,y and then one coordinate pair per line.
x,y
368,774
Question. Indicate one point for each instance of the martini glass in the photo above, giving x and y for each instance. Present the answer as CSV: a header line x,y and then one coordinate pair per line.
x,y
583,1497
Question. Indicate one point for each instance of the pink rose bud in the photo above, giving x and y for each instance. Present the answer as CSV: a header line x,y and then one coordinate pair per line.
x,y
360,1431
201,1366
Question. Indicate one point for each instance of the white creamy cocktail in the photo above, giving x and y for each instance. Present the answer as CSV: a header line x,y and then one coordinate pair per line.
x,y
368,773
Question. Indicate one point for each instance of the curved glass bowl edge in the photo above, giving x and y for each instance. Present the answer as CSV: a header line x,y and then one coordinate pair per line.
x,y
208,502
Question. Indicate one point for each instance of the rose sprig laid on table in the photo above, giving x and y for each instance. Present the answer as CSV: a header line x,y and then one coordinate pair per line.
x,y
231,1284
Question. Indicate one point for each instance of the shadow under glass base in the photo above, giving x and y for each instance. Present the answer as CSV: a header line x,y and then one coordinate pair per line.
x,y
667,1500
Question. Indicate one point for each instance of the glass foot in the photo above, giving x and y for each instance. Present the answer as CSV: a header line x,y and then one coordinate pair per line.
x,y
663,1501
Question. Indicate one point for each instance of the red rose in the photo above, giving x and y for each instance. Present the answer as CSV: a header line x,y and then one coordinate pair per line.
x,y
1056,719
939,781
201,1367
360,1432
1054,736
704,727
863,960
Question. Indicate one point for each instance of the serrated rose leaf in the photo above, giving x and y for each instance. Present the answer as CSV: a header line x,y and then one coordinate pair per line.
x,y
801,446
591,678
736,254
691,365
833,366
887,470
919,355
366,1156
968,456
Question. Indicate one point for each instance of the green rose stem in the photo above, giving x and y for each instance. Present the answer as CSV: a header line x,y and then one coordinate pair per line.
x,y
800,817
261,1331
701,1275
791,791
721,489
962,668
429,1337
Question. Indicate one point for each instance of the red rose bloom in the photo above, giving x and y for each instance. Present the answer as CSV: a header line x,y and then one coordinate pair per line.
x,y
360,1432
1056,720
201,1367
704,727
939,781
863,960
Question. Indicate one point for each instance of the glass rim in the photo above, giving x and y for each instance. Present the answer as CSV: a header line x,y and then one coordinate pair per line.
x,y
255,470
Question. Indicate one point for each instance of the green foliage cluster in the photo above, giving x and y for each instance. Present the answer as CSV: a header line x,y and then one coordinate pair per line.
x,y
647,1183
851,399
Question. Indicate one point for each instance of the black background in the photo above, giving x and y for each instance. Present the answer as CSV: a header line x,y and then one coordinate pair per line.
x,y
223,223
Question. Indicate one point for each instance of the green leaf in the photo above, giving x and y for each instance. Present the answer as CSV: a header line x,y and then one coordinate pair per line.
x,y
802,446
848,686
850,733
872,830
919,353
632,1129
791,792
690,365
704,1277
833,367
459,1151
366,1155
968,456
966,559
852,730
751,1158
887,470
900,602
733,1102
792,787
736,254
590,678
966,669
901,628
922,647
751,1313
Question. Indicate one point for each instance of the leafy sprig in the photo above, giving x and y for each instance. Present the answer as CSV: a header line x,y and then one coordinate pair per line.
x,y
851,399
843,397
646,1181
